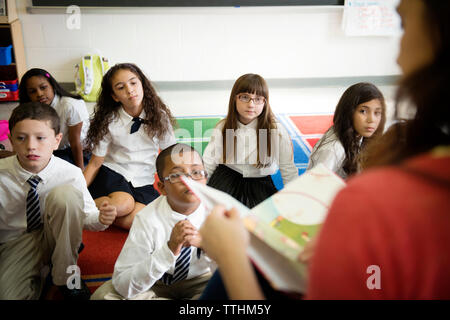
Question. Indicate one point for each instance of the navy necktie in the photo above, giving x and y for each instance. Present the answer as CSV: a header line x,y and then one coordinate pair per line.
x,y
33,207
181,267
136,125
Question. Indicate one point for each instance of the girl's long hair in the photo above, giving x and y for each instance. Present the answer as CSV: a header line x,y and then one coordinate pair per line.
x,y
426,91
23,94
343,123
253,84
158,118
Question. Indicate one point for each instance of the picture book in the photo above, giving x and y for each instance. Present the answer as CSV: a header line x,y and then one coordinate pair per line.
x,y
281,225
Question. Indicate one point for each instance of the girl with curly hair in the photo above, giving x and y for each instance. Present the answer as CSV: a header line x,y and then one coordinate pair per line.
x,y
130,124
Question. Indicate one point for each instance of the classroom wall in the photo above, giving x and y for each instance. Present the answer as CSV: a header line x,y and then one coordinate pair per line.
x,y
198,44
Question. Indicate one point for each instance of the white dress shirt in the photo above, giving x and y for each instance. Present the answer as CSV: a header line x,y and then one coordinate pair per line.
x,y
246,152
131,155
14,189
331,154
146,256
71,112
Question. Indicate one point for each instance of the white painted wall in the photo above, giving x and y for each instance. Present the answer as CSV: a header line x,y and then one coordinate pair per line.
x,y
196,44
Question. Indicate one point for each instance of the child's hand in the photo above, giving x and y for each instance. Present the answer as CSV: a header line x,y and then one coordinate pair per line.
x,y
180,234
223,234
108,213
194,240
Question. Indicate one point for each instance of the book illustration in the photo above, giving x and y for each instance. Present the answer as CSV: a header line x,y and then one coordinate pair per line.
x,y
292,216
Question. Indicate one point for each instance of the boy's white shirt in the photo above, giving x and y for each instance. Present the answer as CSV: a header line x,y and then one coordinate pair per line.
x,y
71,112
14,189
131,155
146,256
246,153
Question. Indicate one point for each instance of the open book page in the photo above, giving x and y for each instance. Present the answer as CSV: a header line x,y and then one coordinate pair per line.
x,y
286,221
281,225
296,212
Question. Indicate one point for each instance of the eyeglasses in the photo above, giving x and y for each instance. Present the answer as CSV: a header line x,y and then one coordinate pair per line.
x,y
195,175
258,100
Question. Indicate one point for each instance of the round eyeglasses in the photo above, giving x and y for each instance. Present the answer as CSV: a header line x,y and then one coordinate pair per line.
x,y
258,100
195,175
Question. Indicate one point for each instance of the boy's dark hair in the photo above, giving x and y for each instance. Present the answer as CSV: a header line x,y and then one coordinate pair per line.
x,y
34,111
177,147
23,94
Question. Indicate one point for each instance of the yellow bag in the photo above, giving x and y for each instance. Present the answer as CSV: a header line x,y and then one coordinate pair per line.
x,y
89,74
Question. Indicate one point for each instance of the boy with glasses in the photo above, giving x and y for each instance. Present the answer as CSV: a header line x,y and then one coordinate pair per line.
x,y
161,257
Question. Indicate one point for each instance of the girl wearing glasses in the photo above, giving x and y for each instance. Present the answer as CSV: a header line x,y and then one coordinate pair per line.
x,y
256,145
359,117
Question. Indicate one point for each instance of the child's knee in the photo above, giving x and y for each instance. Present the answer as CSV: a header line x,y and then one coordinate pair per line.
x,y
63,197
106,292
63,192
124,203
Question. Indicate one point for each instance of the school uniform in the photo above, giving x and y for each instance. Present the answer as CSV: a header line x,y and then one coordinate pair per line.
x,y
330,152
239,176
145,262
64,207
71,112
129,159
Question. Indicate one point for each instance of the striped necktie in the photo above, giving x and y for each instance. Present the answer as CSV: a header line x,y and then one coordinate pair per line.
x,y
33,208
136,125
181,267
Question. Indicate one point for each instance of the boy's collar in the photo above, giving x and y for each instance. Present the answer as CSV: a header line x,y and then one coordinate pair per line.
x,y
23,175
178,215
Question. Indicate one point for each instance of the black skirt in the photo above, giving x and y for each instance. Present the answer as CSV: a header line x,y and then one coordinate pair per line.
x,y
66,154
108,181
249,191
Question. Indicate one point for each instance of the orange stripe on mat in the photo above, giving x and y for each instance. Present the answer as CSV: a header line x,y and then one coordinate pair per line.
x,y
95,276
95,284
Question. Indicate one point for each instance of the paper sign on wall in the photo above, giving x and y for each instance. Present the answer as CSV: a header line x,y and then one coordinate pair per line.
x,y
371,18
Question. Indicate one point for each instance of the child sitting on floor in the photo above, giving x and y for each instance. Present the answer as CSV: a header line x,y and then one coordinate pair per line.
x,y
161,257
249,145
130,125
44,207
38,85
359,117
